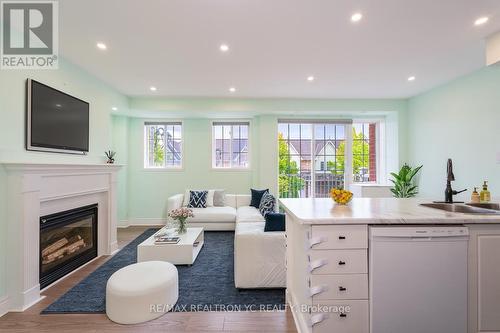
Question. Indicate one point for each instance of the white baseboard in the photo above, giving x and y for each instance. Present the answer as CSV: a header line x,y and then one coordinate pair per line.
x,y
123,224
4,305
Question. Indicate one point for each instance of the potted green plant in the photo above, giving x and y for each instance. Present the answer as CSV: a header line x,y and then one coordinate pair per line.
x,y
404,184
111,156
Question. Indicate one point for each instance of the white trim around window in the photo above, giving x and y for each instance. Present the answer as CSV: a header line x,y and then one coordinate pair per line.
x,y
177,150
215,150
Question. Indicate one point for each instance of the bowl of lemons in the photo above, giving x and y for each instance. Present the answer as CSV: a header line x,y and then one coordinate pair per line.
x,y
342,197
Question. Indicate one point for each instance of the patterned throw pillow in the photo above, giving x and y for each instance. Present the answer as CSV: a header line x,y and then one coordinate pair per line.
x,y
267,204
198,199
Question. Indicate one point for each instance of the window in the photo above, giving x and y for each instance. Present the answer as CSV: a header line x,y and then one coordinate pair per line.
x,y
313,156
163,145
364,152
230,145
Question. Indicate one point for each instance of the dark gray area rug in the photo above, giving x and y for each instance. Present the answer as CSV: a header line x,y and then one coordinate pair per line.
x,y
207,285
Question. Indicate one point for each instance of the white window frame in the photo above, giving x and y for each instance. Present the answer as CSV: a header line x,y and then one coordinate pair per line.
x,y
146,165
213,146
379,151
348,123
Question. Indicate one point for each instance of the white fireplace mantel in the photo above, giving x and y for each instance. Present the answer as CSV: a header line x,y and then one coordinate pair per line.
x,y
35,190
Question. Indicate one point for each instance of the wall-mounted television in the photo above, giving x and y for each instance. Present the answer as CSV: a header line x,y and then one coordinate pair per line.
x,y
55,121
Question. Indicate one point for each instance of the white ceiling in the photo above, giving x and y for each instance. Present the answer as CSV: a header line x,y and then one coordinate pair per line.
x,y
276,44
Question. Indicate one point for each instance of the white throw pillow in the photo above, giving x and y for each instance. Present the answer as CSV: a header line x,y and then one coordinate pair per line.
x,y
210,198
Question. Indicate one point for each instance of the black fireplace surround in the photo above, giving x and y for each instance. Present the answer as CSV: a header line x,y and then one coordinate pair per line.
x,y
67,241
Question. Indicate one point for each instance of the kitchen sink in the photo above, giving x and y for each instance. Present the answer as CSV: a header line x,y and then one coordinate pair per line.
x,y
489,205
465,209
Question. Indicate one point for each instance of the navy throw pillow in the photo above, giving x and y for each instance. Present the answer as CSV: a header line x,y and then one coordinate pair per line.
x,y
275,222
198,199
256,197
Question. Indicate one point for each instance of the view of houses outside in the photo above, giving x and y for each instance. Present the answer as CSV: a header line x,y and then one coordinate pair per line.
x,y
230,145
163,145
312,157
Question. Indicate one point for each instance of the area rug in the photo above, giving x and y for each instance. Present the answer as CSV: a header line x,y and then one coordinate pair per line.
x,y
207,285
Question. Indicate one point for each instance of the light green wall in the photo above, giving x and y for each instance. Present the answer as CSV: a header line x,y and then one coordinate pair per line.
x,y
120,146
68,78
148,190
72,80
459,120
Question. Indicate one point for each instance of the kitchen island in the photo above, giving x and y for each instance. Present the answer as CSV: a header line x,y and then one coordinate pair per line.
x,y
330,263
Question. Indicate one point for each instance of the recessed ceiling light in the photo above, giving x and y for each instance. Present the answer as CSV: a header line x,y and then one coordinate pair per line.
x,y
224,47
114,108
58,105
356,17
310,78
411,78
232,89
152,88
481,20
101,46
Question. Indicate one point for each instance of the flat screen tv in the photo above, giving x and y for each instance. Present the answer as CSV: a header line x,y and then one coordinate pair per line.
x,y
55,121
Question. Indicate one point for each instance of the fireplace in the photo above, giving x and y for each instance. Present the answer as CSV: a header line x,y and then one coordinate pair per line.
x,y
67,241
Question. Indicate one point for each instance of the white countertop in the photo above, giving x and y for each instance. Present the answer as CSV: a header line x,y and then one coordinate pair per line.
x,y
376,211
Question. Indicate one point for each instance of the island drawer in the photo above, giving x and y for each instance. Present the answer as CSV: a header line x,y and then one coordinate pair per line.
x,y
325,237
339,286
338,262
340,316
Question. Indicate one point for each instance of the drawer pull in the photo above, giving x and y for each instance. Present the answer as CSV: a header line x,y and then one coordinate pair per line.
x,y
342,288
341,237
317,290
317,240
343,315
317,264
318,318
341,263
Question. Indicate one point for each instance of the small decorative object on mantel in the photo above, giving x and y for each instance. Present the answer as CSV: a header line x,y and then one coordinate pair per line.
x,y
111,156
180,215
340,196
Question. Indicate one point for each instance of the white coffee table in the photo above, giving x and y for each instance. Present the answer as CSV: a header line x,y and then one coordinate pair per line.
x,y
182,253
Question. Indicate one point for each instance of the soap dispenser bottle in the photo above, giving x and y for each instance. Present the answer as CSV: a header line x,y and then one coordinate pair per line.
x,y
475,197
485,194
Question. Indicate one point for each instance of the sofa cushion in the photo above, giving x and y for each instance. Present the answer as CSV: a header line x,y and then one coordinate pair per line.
x,y
259,257
257,196
219,198
249,214
267,204
275,222
213,214
198,199
210,197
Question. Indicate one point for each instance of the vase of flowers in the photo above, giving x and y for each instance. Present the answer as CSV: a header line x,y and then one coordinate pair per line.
x,y
180,215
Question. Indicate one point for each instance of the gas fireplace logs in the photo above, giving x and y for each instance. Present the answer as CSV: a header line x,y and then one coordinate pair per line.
x,y
61,248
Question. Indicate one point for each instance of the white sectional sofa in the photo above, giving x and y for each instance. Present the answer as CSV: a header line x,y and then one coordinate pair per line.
x,y
259,257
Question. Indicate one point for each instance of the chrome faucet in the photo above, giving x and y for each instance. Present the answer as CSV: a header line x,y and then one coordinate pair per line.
x,y
449,192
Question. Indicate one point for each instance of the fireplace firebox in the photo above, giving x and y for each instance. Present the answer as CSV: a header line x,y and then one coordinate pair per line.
x,y
67,241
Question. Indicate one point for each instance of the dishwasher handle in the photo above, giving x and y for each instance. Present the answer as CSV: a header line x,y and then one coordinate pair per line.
x,y
418,232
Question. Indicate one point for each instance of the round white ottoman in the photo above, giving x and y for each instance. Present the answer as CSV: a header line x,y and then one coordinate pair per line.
x,y
141,292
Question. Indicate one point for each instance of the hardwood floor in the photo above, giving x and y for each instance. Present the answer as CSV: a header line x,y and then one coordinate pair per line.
x,y
230,322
